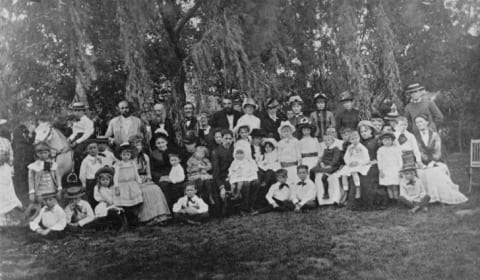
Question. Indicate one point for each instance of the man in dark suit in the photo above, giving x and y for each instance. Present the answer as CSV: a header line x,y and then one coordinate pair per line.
x,y
226,118
190,119
161,124
270,120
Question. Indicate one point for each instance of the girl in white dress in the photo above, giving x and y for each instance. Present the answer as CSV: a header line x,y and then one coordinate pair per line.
x,y
309,146
242,132
289,154
389,158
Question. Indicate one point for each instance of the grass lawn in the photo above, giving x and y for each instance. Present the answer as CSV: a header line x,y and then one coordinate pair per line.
x,y
327,243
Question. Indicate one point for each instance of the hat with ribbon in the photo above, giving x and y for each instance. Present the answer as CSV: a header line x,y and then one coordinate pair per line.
x,y
413,88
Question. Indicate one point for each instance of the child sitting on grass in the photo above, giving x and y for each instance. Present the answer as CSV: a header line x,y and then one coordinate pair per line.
x,y
242,170
412,191
190,208
78,212
304,192
51,221
279,195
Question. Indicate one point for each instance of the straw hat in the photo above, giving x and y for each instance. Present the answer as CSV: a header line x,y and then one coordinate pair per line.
x,y
74,192
285,124
414,88
78,106
346,96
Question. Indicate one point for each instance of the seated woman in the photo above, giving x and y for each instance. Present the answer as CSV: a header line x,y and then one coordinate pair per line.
x,y
160,163
155,207
436,176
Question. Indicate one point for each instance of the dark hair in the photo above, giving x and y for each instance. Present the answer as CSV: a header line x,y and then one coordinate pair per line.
x,y
423,116
227,132
303,166
281,172
160,135
262,147
217,130
189,103
171,155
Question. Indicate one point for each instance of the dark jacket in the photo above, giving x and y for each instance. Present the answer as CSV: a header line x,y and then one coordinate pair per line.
x,y
270,126
219,119
221,160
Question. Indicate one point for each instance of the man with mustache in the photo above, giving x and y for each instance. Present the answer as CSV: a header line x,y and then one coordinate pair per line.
x,y
227,117
122,127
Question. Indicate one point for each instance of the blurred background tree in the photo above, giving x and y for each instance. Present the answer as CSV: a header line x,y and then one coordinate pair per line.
x,y
52,52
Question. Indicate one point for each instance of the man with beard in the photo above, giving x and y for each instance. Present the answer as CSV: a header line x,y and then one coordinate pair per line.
x,y
160,123
121,128
190,120
226,118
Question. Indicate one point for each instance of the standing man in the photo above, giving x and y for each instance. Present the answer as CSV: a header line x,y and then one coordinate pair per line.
x,y
122,127
160,123
270,120
419,105
190,120
23,155
227,117
82,129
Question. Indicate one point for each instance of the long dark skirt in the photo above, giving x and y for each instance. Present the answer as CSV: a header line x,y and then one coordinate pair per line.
x,y
372,195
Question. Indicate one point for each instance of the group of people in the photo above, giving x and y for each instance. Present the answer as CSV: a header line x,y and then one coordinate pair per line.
x,y
246,162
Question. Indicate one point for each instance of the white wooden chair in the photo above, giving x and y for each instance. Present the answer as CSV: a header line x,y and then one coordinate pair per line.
x,y
474,160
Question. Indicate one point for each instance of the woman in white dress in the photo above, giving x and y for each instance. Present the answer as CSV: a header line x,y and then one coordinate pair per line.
x,y
436,176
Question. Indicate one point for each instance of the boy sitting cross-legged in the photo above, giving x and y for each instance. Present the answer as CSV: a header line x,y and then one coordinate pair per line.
x,y
190,208
278,195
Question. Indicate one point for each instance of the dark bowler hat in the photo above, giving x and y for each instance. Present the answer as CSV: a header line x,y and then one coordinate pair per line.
x,y
78,106
257,133
74,192
49,195
102,140
413,88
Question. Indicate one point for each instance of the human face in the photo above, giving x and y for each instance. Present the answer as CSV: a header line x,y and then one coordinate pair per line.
x,y
227,140
302,174
243,132
269,148
296,108
366,132
43,155
159,110
102,147
199,154
378,124
332,132
50,202
387,141
104,181
320,104
417,95
188,110
124,108
286,132
272,108
227,104
249,109
348,105
387,128
218,138
191,147
281,179
256,141
345,136
290,114
161,144
409,175
93,149
421,123
401,126
138,146
354,138
306,131
239,155
75,200
174,161
203,120
190,191
126,155
328,140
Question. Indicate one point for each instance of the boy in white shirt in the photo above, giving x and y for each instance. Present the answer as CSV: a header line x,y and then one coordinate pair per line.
x,y
89,167
279,195
108,158
304,193
190,208
78,212
51,221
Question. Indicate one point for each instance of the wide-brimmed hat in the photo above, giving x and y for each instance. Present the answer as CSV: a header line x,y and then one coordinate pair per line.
x,y
256,132
366,123
285,124
238,126
74,192
387,134
413,88
269,140
249,101
78,106
304,122
271,101
295,98
346,96
104,170
320,95
48,195
42,146
409,161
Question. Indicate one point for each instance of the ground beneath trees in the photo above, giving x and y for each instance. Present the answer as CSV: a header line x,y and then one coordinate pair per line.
x,y
327,243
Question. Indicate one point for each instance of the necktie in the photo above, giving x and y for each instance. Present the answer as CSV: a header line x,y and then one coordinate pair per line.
x,y
402,139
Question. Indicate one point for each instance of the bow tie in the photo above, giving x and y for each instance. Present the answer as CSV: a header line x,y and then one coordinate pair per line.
x,y
283,186
301,183
402,139
102,154
411,182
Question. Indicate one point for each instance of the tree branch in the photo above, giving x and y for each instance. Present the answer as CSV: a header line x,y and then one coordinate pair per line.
x,y
181,22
